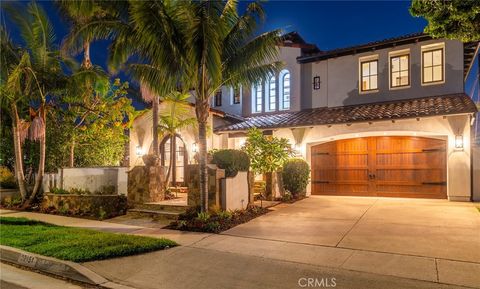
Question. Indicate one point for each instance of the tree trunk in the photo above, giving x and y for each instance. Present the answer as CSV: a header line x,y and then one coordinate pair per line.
x,y
19,174
170,164
202,111
155,105
71,161
269,185
41,162
86,63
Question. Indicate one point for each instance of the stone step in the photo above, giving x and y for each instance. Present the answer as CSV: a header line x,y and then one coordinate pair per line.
x,y
161,207
155,213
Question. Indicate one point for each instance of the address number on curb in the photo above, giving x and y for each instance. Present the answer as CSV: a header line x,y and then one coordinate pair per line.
x,y
27,260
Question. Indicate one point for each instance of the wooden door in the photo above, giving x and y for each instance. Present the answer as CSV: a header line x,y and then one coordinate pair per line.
x,y
393,166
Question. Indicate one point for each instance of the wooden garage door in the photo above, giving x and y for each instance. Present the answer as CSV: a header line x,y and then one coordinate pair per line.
x,y
393,166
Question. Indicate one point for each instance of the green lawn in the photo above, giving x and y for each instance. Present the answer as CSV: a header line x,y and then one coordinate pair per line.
x,y
73,244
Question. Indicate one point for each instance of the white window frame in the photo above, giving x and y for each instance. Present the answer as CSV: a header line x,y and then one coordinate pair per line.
x,y
268,93
431,47
254,98
398,53
281,88
367,59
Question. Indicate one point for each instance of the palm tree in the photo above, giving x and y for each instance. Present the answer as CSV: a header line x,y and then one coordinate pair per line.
x,y
222,51
33,72
173,119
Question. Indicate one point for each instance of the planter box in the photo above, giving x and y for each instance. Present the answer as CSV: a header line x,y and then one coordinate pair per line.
x,y
235,192
97,206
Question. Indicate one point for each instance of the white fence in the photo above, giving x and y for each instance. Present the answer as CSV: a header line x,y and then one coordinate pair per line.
x,y
94,179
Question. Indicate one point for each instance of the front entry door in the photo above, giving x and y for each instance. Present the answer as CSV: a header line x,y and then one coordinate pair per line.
x,y
393,166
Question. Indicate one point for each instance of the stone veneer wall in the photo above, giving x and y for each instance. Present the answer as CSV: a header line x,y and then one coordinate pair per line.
x,y
192,180
146,184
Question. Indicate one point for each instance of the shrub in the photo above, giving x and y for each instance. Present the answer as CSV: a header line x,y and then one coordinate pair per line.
x,y
7,179
295,176
232,161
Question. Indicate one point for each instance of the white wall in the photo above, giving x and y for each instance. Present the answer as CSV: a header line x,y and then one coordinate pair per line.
x,y
94,179
235,192
458,162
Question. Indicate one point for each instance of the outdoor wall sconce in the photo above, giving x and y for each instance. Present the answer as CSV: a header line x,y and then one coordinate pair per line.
x,y
316,83
139,151
194,147
459,142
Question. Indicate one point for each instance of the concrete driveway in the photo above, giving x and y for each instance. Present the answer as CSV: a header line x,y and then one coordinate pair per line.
x,y
418,227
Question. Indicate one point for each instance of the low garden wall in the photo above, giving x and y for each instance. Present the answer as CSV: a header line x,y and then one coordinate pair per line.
x,y
235,192
111,180
95,206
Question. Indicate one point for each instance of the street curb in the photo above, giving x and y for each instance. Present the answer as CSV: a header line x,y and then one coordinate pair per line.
x,y
65,269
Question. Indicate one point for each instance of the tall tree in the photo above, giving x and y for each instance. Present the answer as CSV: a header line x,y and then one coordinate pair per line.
x,y
455,19
222,50
35,73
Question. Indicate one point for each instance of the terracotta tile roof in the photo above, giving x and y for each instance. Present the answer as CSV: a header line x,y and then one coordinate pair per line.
x,y
392,110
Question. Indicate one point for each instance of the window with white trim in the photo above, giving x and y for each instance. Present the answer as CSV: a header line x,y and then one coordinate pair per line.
x,y
284,90
432,65
257,98
369,75
271,94
399,70
236,95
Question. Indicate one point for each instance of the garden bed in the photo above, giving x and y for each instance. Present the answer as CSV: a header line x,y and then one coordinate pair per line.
x,y
215,222
74,244
90,206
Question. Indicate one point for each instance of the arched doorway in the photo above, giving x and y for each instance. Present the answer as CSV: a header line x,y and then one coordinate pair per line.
x,y
179,158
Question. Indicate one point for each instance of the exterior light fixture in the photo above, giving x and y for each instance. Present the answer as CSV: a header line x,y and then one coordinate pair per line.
x,y
316,83
194,147
459,142
139,151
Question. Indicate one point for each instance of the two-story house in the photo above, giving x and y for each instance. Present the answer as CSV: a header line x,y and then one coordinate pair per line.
x,y
388,118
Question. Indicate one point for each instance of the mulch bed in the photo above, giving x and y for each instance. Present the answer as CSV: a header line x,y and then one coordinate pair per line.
x,y
215,222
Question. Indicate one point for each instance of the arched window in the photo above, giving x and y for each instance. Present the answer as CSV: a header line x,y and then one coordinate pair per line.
x,y
257,98
284,90
271,94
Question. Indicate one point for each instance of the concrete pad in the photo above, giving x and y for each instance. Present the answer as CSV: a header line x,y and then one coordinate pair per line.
x,y
430,241
5,212
459,273
419,268
300,253
300,230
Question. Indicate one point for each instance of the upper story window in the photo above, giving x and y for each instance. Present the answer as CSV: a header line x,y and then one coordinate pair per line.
x,y
400,70
257,98
271,94
284,90
369,75
218,98
236,95
432,64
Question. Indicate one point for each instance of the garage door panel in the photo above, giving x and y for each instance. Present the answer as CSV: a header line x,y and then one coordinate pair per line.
x,y
381,166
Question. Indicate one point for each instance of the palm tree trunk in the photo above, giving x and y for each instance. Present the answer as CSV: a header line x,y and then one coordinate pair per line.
x,y
71,161
17,145
202,111
86,63
41,162
155,104
170,164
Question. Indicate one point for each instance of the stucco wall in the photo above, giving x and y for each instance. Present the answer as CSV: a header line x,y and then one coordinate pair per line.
x,y
458,162
94,179
339,77
476,173
235,192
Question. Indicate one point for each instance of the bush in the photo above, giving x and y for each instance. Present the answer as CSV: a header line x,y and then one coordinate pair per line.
x,y
232,161
295,176
7,179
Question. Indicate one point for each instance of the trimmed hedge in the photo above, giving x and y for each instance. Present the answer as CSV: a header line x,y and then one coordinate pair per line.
x,y
232,161
295,174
